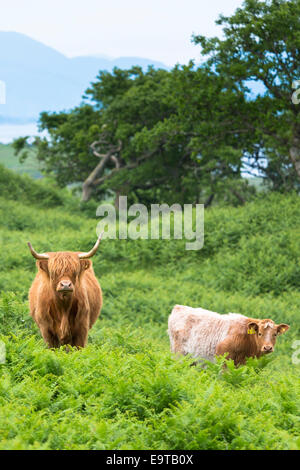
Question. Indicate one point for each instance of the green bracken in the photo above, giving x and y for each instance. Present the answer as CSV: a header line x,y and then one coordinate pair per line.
x,y
126,390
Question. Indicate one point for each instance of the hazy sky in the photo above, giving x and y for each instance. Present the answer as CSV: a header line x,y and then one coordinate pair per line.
x,y
156,29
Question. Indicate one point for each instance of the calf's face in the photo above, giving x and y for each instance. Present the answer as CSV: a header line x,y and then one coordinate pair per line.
x,y
265,333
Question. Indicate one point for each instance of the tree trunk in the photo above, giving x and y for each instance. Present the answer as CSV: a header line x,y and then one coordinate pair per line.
x,y
86,192
87,187
295,155
238,196
117,200
94,179
209,200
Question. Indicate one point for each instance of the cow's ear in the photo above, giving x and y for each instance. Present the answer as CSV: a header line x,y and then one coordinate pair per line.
x,y
282,328
252,328
85,264
43,265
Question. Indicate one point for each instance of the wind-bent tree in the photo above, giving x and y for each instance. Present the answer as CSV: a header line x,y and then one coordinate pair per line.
x,y
184,135
262,43
155,136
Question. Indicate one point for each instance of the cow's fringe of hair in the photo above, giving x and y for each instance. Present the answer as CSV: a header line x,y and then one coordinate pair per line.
x,y
63,263
65,327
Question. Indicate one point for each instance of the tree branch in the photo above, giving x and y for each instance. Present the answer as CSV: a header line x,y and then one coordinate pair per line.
x,y
89,183
126,167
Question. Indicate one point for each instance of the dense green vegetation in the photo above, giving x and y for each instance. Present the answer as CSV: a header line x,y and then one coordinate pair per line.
x,y
125,390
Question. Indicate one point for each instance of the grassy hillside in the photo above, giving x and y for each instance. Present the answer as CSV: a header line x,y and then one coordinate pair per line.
x,y
125,390
9,160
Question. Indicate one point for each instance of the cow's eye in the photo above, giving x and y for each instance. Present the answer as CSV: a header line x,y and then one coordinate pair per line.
x,y
259,334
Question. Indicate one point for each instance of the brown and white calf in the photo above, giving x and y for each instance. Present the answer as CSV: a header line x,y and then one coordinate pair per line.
x,y
205,334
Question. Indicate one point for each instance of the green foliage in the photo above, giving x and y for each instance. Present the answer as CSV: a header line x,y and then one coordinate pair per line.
x,y
185,135
261,44
125,390
24,188
170,133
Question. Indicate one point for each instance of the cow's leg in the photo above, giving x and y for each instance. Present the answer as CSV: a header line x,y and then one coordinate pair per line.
x,y
49,337
66,340
44,324
176,341
80,325
80,335
54,341
229,345
80,338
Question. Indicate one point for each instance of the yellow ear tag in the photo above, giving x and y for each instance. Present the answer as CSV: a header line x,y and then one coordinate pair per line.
x,y
251,331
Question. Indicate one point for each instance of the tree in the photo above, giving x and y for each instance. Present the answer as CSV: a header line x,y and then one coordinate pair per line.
x,y
155,136
262,43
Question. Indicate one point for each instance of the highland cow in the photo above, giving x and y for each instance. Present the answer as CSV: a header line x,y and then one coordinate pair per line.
x,y
65,297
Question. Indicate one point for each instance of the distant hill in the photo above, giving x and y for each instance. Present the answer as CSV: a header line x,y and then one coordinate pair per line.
x,y
39,78
9,160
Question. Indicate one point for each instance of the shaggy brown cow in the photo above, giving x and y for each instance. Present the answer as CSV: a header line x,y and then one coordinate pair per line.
x,y
65,297
205,334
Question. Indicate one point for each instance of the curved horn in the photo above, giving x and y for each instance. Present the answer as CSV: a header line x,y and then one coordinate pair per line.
x,y
35,254
93,250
